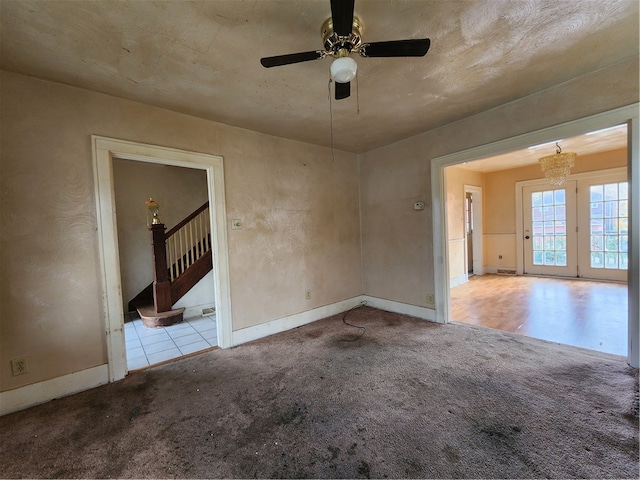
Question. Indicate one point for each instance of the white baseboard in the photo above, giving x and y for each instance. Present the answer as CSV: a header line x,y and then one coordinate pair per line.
x,y
459,280
403,308
196,311
41,392
292,321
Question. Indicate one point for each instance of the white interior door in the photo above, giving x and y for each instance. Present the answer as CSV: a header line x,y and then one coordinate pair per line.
x,y
549,227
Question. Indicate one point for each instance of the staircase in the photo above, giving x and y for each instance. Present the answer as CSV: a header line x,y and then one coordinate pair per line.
x,y
181,258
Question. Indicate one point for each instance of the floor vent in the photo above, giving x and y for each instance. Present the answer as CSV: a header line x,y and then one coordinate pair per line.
x,y
506,272
208,311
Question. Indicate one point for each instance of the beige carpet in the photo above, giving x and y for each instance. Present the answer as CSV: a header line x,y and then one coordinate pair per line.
x,y
408,399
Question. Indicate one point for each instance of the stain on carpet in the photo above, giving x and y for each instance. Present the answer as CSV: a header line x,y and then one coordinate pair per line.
x,y
364,469
335,452
294,414
451,453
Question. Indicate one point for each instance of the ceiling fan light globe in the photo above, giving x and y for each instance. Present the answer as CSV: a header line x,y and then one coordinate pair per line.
x,y
343,69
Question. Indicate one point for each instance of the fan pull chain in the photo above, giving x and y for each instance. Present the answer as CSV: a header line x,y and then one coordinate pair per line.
x,y
333,154
357,96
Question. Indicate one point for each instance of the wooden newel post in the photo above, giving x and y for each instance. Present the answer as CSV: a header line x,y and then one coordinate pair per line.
x,y
161,284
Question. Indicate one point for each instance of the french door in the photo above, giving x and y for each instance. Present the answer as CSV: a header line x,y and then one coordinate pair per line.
x,y
580,229
550,240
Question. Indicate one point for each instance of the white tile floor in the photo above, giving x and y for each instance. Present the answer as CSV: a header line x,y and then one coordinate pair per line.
x,y
148,346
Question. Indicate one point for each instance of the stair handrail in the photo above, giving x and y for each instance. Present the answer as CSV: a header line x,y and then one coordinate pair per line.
x,y
188,241
186,220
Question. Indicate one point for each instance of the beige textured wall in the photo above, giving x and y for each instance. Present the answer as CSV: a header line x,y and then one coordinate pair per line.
x,y
397,245
300,213
500,196
396,238
178,191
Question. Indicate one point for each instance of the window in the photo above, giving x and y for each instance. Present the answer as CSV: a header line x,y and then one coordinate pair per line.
x,y
609,218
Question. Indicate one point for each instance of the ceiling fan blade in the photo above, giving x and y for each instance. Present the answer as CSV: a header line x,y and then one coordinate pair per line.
x,y
396,48
290,58
342,16
343,90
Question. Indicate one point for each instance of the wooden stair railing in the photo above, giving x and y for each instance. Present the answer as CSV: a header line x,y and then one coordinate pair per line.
x,y
188,241
181,257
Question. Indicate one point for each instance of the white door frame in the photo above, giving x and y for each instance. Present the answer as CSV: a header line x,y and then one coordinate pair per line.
x,y
629,115
477,233
104,151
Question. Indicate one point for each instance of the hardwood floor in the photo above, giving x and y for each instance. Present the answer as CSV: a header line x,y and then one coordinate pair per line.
x,y
576,312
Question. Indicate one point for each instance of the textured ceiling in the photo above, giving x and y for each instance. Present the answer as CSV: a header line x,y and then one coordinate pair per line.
x,y
605,140
202,58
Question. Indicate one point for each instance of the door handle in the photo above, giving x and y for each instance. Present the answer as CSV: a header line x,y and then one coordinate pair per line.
x,y
527,237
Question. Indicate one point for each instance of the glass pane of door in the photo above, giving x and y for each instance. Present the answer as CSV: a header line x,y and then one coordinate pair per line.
x,y
548,210
604,207
546,226
609,225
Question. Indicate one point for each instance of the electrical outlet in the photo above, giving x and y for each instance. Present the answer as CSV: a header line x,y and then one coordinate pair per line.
x,y
307,294
20,366
430,299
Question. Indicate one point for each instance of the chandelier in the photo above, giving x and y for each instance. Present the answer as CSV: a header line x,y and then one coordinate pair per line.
x,y
557,167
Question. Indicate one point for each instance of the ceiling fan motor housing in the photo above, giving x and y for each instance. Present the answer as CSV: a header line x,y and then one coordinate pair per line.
x,y
341,46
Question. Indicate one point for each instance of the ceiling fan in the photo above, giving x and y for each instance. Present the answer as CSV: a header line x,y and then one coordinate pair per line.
x,y
341,36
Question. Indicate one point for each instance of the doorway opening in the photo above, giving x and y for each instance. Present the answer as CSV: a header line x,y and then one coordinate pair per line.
x,y
473,216
468,223
546,230
179,192
501,257
105,151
